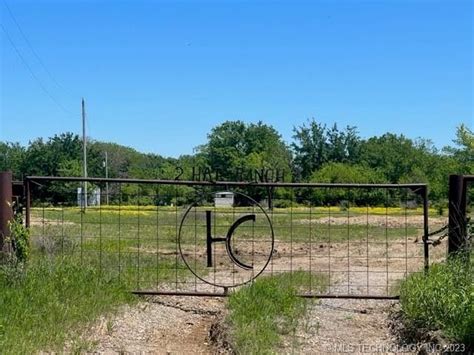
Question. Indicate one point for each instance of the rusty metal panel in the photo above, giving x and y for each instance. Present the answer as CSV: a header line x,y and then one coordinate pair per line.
x,y
6,211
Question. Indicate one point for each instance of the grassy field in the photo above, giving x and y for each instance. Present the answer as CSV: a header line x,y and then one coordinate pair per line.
x,y
66,284
47,302
139,243
139,226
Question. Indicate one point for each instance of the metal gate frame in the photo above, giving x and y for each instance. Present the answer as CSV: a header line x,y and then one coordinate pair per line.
x,y
420,189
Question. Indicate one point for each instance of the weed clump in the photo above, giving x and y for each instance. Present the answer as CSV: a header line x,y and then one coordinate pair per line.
x,y
46,301
442,299
268,308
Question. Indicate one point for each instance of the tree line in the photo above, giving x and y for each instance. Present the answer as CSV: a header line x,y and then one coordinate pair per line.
x,y
317,153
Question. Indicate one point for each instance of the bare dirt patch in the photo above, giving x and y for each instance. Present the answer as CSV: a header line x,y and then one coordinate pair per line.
x,y
158,325
39,221
374,220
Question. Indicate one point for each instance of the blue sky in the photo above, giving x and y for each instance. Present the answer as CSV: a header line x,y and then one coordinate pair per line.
x,y
158,75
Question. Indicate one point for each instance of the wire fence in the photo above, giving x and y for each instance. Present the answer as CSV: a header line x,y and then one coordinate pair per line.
x,y
204,238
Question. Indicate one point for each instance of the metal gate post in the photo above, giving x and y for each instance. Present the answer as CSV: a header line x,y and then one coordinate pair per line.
x,y
6,211
457,215
426,250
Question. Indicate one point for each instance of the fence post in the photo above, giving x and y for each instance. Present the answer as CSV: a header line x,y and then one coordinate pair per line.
x,y
457,215
6,211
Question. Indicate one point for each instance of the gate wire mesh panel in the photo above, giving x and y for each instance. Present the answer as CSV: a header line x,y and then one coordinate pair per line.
x,y
191,237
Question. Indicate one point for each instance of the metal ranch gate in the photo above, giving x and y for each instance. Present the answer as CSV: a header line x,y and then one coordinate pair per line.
x,y
169,237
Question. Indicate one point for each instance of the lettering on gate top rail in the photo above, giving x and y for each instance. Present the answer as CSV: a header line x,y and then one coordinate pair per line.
x,y
225,183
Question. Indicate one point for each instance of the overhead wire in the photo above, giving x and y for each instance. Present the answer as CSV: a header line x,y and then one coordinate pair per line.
x,y
27,65
33,75
25,38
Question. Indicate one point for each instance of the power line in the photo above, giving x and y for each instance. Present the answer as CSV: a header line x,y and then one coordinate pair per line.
x,y
33,75
30,45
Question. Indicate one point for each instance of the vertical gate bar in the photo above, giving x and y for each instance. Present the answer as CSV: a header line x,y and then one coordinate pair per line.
x,y
195,248
176,236
62,229
367,237
457,214
272,214
209,238
42,220
386,241
214,246
120,232
348,242
82,233
100,239
253,243
138,237
329,246
291,236
310,249
6,211
406,232
27,202
426,250
233,244
158,236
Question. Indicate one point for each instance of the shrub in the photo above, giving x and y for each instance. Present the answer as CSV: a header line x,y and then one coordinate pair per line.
x,y
282,203
442,299
20,238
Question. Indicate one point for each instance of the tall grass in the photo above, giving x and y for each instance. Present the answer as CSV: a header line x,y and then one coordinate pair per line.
x,y
442,299
262,312
47,301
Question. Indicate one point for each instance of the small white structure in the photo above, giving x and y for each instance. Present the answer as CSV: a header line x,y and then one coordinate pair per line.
x,y
224,199
93,197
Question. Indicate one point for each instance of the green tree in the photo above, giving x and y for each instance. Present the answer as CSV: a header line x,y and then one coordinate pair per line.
x,y
11,158
346,173
234,145
310,148
399,158
343,145
60,155
46,158
337,173
463,153
316,145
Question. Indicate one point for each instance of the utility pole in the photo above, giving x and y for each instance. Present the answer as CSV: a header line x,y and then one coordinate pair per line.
x,y
84,151
106,176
